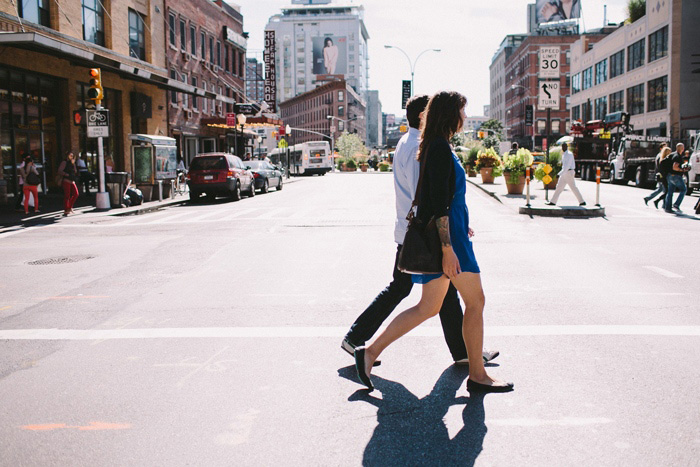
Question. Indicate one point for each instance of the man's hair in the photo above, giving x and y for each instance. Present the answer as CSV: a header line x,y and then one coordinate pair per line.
x,y
679,145
414,107
514,146
564,146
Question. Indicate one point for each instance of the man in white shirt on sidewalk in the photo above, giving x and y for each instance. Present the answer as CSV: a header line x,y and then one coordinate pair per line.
x,y
567,177
406,173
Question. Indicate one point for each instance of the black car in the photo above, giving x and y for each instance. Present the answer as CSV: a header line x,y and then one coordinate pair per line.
x,y
266,175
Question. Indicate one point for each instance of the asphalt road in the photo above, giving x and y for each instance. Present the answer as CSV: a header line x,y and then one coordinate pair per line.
x,y
209,334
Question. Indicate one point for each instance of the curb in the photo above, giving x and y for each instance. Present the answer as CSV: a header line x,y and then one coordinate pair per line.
x,y
490,193
563,212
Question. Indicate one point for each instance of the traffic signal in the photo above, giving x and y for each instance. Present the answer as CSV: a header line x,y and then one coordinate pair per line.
x,y
481,134
95,93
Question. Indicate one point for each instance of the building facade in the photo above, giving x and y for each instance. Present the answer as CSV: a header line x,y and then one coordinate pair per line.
x,y
316,44
522,89
206,50
375,128
472,124
254,80
311,111
645,69
45,57
497,72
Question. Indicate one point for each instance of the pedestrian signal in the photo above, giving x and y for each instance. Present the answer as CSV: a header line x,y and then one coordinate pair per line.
x,y
95,93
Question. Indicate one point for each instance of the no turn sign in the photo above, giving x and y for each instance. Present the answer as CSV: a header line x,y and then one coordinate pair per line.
x,y
549,95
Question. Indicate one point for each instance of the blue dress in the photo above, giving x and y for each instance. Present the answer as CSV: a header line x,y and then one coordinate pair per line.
x,y
459,228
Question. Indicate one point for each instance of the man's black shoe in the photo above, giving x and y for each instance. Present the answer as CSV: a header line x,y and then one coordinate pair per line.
x,y
349,347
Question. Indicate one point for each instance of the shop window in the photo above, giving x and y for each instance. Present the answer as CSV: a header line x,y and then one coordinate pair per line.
x,y
234,57
556,125
617,64
203,45
211,50
576,83
204,99
227,59
137,39
601,108
218,53
658,44
35,11
658,92
183,35
341,111
185,96
587,78
601,71
635,99
171,29
617,101
635,55
194,96
173,94
576,113
193,40
341,96
93,22
541,126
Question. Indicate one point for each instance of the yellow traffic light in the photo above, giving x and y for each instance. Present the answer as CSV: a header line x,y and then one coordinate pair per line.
x,y
482,135
95,93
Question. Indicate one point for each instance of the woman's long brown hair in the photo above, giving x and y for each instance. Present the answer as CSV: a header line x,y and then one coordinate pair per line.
x,y
442,118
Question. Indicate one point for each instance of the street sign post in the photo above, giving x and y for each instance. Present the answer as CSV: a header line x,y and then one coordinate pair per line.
x,y
405,93
549,62
529,115
231,120
549,95
97,123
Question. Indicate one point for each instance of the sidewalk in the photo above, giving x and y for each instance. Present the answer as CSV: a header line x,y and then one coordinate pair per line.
x,y
499,192
51,208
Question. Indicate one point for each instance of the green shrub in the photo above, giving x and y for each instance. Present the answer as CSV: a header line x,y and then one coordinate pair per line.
x,y
384,166
351,164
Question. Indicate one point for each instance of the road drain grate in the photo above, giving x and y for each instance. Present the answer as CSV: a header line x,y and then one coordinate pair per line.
x,y
60,260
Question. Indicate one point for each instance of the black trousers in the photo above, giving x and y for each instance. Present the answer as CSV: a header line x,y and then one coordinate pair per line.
x,y
388,299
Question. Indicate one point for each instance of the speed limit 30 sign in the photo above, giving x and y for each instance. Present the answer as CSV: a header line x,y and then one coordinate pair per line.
x,y
549,62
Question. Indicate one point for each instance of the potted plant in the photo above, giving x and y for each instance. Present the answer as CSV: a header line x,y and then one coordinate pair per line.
x,y
362,162
470,162
341,163
350,165
555,163
489,165
514,167
383,166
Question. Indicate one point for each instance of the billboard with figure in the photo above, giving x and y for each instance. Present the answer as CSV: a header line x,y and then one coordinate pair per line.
x,y
557,10
330,55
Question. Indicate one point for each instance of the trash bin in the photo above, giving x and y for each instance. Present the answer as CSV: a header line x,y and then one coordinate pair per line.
x,y
116,183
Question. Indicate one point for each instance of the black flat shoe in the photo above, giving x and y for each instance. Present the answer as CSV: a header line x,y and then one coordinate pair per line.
x,y
360,367
473,386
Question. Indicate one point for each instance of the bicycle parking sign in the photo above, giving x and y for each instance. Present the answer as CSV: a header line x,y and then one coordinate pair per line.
x,y
97,123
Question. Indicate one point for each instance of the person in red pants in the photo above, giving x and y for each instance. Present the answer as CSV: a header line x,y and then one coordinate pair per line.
x,y
68,171
30,174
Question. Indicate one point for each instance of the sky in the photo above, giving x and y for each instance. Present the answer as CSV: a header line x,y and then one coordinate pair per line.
x,y
468,33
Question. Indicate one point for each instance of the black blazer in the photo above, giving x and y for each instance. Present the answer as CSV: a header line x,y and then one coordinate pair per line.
x,y
438,183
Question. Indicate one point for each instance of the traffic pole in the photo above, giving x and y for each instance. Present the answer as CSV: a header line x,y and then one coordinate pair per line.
x,y
102,198
527,186
597,186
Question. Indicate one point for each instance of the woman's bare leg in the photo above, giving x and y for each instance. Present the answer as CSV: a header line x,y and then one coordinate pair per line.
x,y
428,306
469,286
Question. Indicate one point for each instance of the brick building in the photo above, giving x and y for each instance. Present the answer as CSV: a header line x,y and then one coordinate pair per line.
x,y
522,88
45,57
206,50
310,111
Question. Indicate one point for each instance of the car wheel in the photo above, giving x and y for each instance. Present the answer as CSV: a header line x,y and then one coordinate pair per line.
x,y
236,193
611,180
194,196
266,186
251,192
279,185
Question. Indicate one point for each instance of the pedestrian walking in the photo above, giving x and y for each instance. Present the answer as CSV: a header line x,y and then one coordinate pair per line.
x,y
442,196
566,177
68,172
30,174
660,177
679,165
406,170
513,149
20,184
83,174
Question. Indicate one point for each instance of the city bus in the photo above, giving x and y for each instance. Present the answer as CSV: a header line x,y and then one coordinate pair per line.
x,y
313,157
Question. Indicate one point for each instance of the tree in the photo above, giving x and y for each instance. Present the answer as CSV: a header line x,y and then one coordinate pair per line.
x,y
636,9
495,133
349,145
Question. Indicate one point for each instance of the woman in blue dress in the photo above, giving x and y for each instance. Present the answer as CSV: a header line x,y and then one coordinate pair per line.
x,y
442,195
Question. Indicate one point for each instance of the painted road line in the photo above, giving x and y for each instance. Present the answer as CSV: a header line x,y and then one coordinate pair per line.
x,y
238,214
21,230
335,332
663,272
535,422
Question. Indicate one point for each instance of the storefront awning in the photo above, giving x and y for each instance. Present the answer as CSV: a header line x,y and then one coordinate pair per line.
x,y
79,53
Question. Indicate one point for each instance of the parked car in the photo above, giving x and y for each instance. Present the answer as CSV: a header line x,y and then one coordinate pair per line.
x,y
266,175
219,174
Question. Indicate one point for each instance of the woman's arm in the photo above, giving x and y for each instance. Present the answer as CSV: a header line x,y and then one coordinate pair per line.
x,y
450,263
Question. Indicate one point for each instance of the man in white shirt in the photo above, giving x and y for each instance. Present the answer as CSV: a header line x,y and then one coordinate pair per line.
x,y
406,173
567,177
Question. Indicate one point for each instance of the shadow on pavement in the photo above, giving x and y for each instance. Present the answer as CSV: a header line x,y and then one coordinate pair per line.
x,y
412,431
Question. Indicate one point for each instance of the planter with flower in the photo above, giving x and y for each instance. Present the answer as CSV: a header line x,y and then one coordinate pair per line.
x,y
489,165
514,168
470,162
555,163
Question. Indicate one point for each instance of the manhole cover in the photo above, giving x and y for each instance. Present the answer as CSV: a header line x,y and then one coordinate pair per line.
x,y
60,260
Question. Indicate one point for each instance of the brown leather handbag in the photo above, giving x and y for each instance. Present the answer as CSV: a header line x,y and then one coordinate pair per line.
x,y
421,252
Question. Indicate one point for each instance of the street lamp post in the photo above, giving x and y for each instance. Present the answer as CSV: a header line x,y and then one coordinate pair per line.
x,y
514,87
412,64
241,122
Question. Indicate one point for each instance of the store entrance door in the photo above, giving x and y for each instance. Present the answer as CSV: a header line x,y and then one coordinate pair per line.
x,y
190,150
27,143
